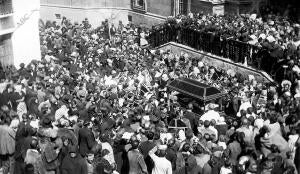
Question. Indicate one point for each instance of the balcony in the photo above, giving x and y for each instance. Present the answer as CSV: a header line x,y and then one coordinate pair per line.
x,y
6,8
7,24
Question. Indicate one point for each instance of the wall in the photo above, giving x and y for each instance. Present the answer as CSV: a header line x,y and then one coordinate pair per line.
x,y
95,16
6,52
25,39
201,6
145,19
160,7
231,8
216,61
99,10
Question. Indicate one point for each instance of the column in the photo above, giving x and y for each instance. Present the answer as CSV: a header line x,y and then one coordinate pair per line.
x,y
176,8
189,6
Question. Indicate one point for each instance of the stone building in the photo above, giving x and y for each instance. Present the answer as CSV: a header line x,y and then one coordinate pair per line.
x,y
19,32
145,12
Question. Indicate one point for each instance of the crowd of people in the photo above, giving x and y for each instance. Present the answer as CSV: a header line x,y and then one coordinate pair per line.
x,y
272,31
273,37
97,103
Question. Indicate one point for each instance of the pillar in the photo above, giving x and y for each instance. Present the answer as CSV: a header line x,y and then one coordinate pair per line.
x,y
176,8
189,6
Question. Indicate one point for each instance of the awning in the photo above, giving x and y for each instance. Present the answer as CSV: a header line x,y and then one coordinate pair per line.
x,y
195,89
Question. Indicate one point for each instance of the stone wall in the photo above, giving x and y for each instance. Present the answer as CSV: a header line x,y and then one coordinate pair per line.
x,y
99,10
216,61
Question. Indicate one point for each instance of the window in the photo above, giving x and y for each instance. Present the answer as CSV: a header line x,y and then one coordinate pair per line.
x,y
183,7
58,16
139,5
129,18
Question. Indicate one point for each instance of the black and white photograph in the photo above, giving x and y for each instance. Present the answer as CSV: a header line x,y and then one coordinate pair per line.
x,y
149,87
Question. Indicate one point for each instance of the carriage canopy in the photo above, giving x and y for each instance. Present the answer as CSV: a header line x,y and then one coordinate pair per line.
x,y
195,89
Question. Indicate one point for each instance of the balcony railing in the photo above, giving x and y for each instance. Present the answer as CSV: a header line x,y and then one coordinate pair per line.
x,y
237,51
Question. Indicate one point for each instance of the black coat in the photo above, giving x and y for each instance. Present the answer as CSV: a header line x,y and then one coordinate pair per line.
x,y
193,120
86,141
77,165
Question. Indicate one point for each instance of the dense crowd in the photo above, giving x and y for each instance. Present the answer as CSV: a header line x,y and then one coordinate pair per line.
x,y
97,103
273,31
274,38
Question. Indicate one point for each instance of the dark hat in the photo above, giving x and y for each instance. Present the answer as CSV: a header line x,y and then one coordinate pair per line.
x,y
46,122
73,149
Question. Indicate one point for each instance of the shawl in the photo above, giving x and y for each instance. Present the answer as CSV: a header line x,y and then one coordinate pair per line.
x,y
7,140
277,140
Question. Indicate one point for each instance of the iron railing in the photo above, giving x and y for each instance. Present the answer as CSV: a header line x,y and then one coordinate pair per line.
x,y
237,51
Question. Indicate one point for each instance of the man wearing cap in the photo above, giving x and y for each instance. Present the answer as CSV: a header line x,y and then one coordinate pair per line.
x,y
161,164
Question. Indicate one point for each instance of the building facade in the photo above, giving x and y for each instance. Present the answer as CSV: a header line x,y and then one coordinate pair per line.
x,y
144,12
19,31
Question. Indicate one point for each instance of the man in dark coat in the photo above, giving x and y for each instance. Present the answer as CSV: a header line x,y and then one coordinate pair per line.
x,y
145,147
192,118
73,163
86,139
23,141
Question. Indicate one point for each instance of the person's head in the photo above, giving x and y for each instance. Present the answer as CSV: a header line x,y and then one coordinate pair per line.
x,y
161,152
289,155
7,120
198,149
207,137
104,137
190,106
90,157
274,148
243,113
66,141
244,121
201,122
186,147
25,118
213,122
171,142
34,144
87,124
150,135
206,123
263,131
235,124
135,144
189,134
